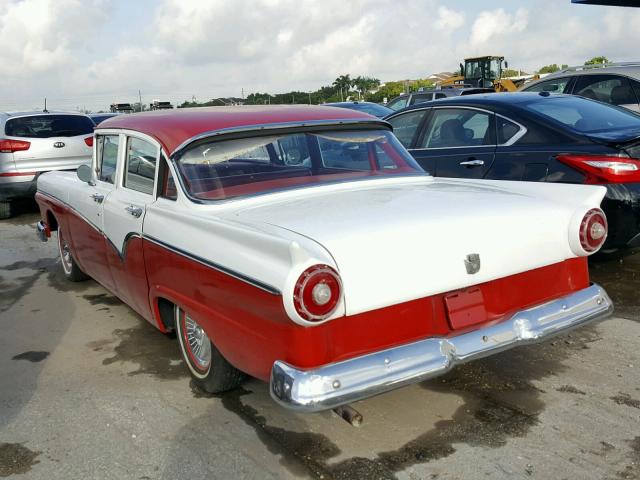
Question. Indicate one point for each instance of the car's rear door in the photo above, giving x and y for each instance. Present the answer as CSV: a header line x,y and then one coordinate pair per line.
x,y
57,141
124,211
459,141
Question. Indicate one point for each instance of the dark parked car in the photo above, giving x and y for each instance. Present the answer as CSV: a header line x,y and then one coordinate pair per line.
x,y
533,137
421,96
617,84
101,117
371,108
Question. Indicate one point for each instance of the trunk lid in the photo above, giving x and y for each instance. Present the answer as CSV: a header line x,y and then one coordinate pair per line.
x,y
398,242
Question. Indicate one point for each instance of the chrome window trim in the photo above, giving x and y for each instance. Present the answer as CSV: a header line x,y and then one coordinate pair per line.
x,y
275,126
522,132
519,134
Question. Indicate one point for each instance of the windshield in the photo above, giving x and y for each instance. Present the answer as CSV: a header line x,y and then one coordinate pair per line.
x,y
583,115
46,126
226,169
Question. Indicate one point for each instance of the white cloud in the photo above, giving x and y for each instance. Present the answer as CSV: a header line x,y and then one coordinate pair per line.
x,y
449,19
498,23
180,48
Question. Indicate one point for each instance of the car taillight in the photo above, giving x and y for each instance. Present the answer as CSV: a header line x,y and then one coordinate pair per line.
x,y
604,168
89,141
317,293
10,146
593,230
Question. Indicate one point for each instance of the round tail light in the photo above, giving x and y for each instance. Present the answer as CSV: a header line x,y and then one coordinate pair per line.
x,y
317,292
593,230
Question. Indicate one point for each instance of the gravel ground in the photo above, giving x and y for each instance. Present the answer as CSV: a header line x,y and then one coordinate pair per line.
x,y
89,390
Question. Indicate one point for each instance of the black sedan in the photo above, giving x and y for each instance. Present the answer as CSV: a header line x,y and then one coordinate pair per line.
x,y
533,137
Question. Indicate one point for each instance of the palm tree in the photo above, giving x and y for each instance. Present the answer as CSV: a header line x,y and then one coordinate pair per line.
x,y
343,82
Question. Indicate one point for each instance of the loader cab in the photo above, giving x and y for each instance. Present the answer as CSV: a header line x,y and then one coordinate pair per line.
x,y
482,72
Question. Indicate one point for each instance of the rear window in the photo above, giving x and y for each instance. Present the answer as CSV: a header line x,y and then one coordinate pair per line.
x,y
583,115
224,169
46,126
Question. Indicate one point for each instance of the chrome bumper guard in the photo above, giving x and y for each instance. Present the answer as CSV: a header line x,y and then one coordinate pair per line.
x,y
42,231
357,378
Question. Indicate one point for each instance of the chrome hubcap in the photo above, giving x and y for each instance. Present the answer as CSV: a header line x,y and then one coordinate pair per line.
x,y
198,343
65,253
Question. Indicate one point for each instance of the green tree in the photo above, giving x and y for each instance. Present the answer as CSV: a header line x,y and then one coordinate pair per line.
x,y
509,72
597,61
365,84
549,68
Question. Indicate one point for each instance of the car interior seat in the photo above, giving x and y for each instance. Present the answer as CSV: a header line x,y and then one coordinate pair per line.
x,y
621,95
589,93
452,133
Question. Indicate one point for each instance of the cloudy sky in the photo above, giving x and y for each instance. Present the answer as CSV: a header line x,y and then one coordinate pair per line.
x,y
88,53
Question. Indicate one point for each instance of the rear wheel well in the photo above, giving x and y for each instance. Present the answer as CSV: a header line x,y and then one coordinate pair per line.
x,y
52,223
166,309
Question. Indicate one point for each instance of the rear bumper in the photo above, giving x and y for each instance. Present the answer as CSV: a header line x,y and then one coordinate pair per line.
x,y
343,382
15,187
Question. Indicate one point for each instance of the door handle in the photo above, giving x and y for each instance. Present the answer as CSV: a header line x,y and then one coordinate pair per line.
x,y
97,198
133,210
473,163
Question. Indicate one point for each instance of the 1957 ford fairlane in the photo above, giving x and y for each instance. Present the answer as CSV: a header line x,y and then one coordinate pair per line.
x,y
304,246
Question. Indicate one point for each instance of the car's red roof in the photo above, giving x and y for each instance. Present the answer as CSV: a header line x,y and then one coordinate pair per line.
x,y
173,127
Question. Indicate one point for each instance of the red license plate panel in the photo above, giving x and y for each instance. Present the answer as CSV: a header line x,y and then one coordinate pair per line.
x,y
465,308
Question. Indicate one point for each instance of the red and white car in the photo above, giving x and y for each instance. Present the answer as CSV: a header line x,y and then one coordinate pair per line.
x,y
304,246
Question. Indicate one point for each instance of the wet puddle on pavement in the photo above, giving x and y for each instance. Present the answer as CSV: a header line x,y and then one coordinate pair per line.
x,y
499,401
153,352
16,459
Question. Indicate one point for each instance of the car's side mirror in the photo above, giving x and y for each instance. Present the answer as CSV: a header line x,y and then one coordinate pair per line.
x,y
84,173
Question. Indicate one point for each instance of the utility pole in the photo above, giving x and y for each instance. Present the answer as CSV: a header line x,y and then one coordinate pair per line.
x,y
140,98
309,97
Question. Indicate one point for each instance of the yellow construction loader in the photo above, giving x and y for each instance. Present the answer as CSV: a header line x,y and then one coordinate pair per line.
x,y
486,72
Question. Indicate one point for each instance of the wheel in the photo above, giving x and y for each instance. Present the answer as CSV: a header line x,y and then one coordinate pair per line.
x,y
6,210
69,266
209,369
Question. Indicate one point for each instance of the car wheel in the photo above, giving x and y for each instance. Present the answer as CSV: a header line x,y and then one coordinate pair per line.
x,y
71,269
6,210
209,369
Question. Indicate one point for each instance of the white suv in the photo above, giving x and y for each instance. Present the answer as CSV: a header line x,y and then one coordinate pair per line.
x,y
35,142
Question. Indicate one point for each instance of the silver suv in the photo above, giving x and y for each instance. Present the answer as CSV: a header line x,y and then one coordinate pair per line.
x,y
35,142
614,83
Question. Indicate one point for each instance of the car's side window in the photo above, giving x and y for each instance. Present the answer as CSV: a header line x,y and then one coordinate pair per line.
x,y
605,88
140,165
506,129
440,95
107,157
557,85
406,125
420,98
398,103
458,127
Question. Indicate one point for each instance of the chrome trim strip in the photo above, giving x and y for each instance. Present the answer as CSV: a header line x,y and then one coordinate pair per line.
x,y
521,133
275,126
344,382
207,263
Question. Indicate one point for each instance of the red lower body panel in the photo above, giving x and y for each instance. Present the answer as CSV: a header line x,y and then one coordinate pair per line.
x,y
250,327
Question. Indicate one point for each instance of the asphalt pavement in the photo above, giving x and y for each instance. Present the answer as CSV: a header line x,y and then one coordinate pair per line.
x,y
89,390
